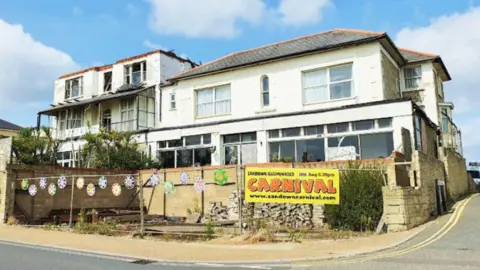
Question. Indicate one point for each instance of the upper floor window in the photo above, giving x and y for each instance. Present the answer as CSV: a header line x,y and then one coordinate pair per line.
x,y
213,101
74,88
265,91
173,103
413,77
418,132
328,84
127,111
72,119
136,73
445,120
107,81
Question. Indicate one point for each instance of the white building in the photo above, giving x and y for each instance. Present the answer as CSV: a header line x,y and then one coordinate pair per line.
x,y
341,94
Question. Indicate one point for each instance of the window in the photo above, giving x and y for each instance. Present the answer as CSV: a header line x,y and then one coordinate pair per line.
x,y
418,132
240,148
385,122
445,120
413,77
297,151
173,103
185,152
213,101
74,88
127,111
343,148
291,132
274,133
64,159
193,140
338,128
265,91
107,81
136,73
379,145
62,118
328,84
75,118
314,130
364,125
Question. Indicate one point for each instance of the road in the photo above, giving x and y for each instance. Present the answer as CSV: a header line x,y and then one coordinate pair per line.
x,y
457,248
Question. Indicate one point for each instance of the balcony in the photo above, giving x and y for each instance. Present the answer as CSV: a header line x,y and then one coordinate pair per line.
x,y
95,129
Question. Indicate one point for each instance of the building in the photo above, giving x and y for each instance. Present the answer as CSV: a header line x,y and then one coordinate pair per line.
x,y
8,129
340,94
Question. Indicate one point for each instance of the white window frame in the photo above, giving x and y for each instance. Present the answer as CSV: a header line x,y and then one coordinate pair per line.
x,y
69,88
127,106
416,78
265,91
328,83
107,87
184,146
128,72
214,101
173,102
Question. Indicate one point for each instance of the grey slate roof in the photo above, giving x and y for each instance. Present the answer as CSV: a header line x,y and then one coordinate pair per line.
x,y
9,126
412,56
303,45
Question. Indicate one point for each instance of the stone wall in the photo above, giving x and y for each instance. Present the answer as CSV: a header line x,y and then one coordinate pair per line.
x,y
390,78
5,189
459,182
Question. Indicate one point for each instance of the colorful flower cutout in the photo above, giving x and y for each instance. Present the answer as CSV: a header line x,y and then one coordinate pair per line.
x,y
32,190
90,189
62,182
52,189
80,183
116,189
220,177
168,187
199,184
154,179
102,182
130,182
184,178
25,184
43,183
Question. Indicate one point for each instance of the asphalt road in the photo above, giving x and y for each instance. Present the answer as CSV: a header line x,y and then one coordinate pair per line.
x,y
459,248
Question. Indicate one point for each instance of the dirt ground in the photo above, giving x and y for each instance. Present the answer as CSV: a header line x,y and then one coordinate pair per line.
x,y
216,250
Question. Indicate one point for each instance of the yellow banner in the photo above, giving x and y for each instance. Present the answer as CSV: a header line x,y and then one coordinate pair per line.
x,y
286,185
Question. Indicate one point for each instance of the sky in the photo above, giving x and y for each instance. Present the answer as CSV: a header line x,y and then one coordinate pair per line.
x,y
41,40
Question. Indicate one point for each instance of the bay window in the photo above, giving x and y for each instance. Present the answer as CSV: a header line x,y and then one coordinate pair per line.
x,y
213,101
328,84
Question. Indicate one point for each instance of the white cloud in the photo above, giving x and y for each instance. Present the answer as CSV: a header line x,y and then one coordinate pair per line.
x,y
456,39
28,68
298,14
154,46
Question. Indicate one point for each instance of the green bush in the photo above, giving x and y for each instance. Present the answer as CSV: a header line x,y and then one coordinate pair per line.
x,y
361,200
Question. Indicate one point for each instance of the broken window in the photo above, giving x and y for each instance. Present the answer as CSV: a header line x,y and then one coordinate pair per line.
x,y
107,81
74,88
136,73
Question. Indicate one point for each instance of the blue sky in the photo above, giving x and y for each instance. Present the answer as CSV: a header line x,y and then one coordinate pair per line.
x,y
60,36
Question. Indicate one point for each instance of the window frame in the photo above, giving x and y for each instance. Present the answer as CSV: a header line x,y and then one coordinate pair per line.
x,y
128,72
238,146
265,91
69,88
107,86
417,127
173,102
214,101
419,78
125,110
329,83
184,146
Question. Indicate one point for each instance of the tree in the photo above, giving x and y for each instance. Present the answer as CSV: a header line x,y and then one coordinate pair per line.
x,y
35,148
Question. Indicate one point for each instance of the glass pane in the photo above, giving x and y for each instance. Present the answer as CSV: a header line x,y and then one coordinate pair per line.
x,y
175,143
222,107
222,93
205,109
207,138
274,133
340,90
343,148
265,85
384,122
282,151
193,140
231,155
337,128
445,124
184,158
341,73
204,96
67,155
249,137
167,159
314,78
413,72
313,130
310,150
203,157
290,132
248,154
266,99
316,94
378,145
363,125
162,144
232,138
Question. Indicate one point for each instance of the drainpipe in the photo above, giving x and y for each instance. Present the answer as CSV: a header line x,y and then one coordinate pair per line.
x,y
160,104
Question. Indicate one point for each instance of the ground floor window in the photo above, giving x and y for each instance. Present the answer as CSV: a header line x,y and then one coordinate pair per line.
x,y
185,152
240,148
297,151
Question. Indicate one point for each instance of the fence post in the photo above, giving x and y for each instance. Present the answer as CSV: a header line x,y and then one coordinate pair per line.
x,y
142,229
240,200
203,192
70,222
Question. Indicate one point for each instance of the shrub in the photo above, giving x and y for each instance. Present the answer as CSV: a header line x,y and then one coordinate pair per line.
x,y
361,200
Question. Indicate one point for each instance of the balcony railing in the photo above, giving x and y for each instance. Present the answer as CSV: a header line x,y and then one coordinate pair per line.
x,y
78,132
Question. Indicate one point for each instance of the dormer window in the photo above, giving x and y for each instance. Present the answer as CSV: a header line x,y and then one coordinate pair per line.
x,y
74,88
136,73
413,78
107,81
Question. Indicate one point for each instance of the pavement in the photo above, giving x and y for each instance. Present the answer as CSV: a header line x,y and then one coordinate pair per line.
x,y
451,242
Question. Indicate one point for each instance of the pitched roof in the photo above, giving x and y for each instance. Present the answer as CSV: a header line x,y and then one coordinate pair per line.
x,y
9,126
415,56
299,46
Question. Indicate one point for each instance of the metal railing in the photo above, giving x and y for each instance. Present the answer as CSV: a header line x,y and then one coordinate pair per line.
x,y
130,125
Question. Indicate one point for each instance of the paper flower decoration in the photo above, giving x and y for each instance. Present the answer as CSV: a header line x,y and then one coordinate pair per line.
x,y
43,183
116,189
129,182
52,189
25,184
168,187
220,176
80,182
62,182
184,178
199,184
154,180
91,189
102,182
32,190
